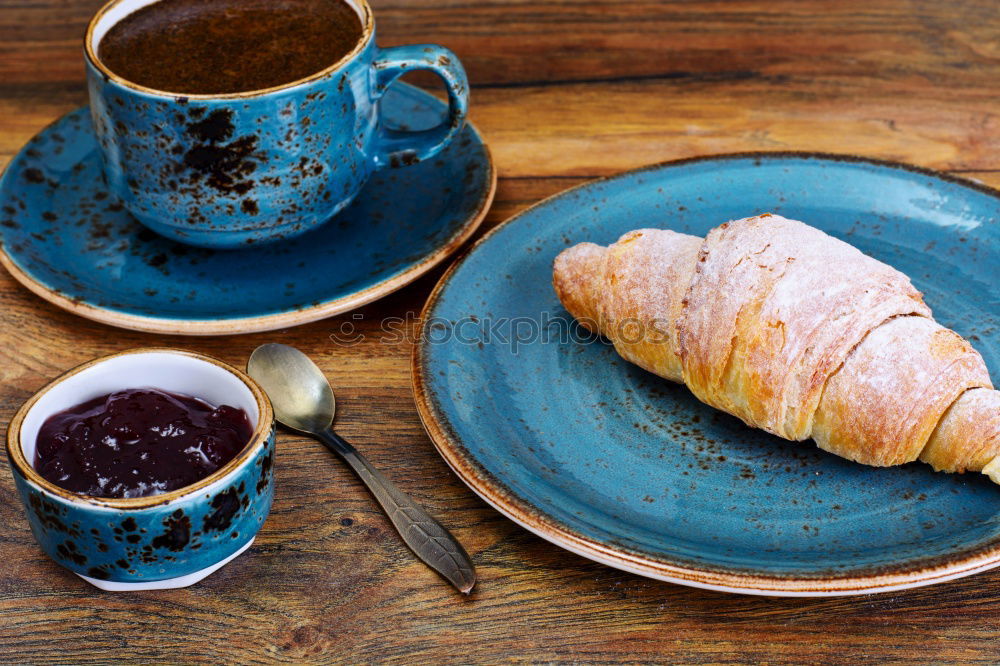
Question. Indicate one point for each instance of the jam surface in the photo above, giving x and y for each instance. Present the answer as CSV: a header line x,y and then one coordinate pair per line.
x,y
138,442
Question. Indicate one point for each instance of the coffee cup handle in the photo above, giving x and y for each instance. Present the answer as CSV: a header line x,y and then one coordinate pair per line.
x,y
399,148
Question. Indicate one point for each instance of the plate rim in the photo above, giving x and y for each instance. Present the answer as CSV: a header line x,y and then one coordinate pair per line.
x,y
495,493
259,323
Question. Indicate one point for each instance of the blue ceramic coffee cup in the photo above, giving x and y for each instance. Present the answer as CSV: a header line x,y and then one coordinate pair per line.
x,y
228,170
161,541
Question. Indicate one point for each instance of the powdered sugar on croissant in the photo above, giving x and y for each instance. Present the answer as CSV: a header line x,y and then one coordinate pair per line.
x,y
794,332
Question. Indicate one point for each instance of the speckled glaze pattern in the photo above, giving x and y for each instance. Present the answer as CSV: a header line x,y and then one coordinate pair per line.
x,y
68,238
160,537
229,171
163,541
626,468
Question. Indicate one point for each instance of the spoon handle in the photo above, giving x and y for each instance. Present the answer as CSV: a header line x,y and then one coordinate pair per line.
x,y
428,539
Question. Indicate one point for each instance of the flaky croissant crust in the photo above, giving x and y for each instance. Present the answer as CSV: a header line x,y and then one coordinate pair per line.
x,y
794,332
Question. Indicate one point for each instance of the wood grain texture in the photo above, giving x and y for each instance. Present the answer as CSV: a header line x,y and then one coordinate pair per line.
x,y
564,91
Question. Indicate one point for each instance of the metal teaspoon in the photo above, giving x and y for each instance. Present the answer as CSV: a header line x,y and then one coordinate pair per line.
x,y
303,401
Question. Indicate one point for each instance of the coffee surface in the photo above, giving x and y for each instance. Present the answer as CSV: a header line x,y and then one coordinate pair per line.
x,y
138,442
228,46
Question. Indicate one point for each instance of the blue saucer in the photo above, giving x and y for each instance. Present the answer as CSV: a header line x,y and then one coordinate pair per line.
x,y
69,242
556,431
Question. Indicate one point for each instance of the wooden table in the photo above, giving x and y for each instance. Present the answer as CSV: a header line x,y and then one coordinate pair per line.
x,y
564,91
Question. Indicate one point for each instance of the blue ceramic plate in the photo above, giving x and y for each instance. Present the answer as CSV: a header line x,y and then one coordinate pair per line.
x,y
557,432
69,242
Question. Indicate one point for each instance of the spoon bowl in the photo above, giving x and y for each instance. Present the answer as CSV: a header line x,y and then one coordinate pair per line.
x,y
299,391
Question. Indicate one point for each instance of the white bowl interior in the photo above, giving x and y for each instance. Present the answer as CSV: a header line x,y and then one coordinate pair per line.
x,y
177,373
126,7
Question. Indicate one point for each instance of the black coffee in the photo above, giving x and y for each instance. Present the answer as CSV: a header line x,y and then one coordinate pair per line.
x,y
228,46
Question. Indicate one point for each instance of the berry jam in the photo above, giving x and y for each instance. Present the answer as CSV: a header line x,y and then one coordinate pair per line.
x,y
138,442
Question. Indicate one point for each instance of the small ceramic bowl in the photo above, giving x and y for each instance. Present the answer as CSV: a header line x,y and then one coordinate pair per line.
x,y
163,541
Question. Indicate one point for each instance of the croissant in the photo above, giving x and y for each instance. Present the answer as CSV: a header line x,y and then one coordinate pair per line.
x,y
796,333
